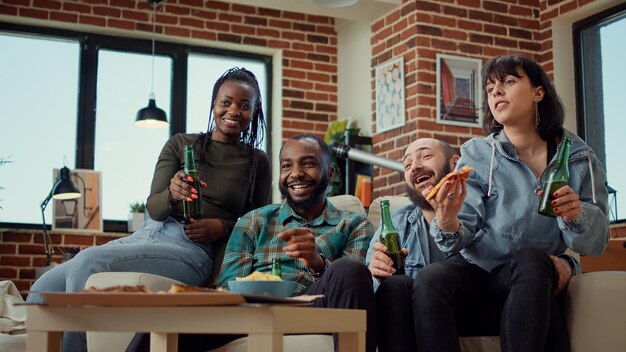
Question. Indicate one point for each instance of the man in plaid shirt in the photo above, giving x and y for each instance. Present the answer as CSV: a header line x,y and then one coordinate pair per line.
x,y
321,247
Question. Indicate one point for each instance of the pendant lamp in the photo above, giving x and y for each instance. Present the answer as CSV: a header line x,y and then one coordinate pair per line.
x,y
334,3
151,115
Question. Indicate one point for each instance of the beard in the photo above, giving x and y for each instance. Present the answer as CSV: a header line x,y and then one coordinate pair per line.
x,y
417,198
313,197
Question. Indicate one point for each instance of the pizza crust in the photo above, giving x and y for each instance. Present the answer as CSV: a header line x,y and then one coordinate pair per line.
x,y
463,173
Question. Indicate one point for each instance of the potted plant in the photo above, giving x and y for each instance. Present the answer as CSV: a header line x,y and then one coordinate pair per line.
x,y
136,216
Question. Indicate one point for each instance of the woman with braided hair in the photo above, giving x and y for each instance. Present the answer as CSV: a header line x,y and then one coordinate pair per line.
x,y
227,158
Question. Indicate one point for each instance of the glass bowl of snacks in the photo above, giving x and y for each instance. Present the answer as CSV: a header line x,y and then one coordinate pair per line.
x,y
259,283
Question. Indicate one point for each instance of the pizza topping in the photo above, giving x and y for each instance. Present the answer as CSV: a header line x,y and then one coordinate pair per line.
x,y
463,173
119,288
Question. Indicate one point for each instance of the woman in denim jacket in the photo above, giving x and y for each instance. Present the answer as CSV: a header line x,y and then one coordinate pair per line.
x,y
507,266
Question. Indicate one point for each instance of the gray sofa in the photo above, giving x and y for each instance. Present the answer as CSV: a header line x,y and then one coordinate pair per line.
x,y
595,308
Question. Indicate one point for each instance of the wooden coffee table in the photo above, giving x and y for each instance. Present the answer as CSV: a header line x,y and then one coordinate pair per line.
x,y
265,324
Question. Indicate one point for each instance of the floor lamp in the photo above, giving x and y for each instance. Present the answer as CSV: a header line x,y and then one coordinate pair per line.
x,y
63,188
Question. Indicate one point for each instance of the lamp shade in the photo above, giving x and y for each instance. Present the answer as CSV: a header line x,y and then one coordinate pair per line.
x,y
64,188
334,3
151,116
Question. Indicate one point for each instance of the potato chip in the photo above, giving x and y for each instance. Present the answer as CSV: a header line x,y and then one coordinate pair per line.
x,y
259,276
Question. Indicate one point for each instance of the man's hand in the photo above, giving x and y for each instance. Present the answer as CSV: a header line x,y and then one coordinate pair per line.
x,y
301,245
564,271
448,202
205,230
381,266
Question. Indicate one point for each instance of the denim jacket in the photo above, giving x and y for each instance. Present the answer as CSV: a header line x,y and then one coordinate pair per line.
x,y
413,231
499,215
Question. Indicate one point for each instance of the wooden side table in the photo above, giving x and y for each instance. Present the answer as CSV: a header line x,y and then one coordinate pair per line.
x,y
264,324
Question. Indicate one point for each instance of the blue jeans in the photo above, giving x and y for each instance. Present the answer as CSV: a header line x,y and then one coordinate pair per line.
x,y
454,298
159,247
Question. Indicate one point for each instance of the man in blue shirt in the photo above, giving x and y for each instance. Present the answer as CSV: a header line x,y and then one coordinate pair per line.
x,y
426,161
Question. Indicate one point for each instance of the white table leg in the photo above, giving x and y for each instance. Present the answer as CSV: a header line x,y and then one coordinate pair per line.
x,y
37,341
163,342
351,341
265,343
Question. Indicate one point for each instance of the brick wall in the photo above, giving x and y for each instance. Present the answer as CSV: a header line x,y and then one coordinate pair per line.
x,y
308,42
21,251
419,30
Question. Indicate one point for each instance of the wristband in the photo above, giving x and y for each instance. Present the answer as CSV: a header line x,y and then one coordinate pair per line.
x,y
326,265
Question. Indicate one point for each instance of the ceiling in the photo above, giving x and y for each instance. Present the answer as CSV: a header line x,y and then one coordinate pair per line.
x,y
363,10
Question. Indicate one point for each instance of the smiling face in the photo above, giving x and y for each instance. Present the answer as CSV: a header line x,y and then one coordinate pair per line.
x,y
232,109
426,161
512,100
304,175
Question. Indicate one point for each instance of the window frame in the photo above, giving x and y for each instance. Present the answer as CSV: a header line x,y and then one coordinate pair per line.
x,y
90,44
588,78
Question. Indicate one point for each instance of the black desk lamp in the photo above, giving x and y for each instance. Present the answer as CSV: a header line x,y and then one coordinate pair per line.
x,y
64,188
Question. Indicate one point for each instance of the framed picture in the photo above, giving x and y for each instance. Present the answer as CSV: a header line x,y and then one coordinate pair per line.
x,y
390,111
459,95
83,214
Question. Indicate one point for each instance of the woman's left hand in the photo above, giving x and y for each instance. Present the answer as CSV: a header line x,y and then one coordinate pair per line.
x,y
205,230
564,271
567,203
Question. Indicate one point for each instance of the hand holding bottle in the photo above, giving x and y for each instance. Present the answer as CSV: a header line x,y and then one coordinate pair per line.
x,y
565,202
381,265
181,189
204,230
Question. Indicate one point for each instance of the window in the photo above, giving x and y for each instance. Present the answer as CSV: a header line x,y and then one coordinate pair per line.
x,y
38,120
51,81
600,76
123,88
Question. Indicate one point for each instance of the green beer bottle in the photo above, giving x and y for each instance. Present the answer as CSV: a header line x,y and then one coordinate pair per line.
x,y
389,237
276,269
192,209
555,177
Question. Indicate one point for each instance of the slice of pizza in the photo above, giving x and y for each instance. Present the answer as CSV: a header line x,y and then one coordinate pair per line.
x,y
181,288
463,173
119,288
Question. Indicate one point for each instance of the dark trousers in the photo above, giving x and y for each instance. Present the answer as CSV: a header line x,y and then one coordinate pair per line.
x,y
396,330
455,298
346,284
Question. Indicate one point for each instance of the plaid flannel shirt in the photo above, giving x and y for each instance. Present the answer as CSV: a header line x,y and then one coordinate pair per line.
x,y
254,241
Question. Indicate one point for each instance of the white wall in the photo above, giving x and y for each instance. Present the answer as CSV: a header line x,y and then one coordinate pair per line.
x,y
354,55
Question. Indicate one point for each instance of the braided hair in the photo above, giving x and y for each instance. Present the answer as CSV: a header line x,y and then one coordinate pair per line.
x,y
252,137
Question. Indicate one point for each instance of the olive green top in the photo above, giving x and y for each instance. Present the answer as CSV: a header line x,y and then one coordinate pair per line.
x,y
225,172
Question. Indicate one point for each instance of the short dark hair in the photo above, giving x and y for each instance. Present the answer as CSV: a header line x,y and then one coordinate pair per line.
x,y
550,107
323,147
448,150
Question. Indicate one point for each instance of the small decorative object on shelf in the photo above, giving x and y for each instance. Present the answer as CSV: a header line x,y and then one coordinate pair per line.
x,y
136,216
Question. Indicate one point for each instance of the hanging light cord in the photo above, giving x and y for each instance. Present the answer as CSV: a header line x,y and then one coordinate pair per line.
x,y
154,5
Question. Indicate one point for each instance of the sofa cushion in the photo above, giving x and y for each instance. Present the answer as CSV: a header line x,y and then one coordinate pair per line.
x,y
395,202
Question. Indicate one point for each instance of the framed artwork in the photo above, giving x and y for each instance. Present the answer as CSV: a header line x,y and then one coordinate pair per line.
x,y
83,214
390,111
459,95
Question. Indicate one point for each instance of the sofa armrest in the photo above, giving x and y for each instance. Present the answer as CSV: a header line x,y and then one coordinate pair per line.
x,y
595,310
